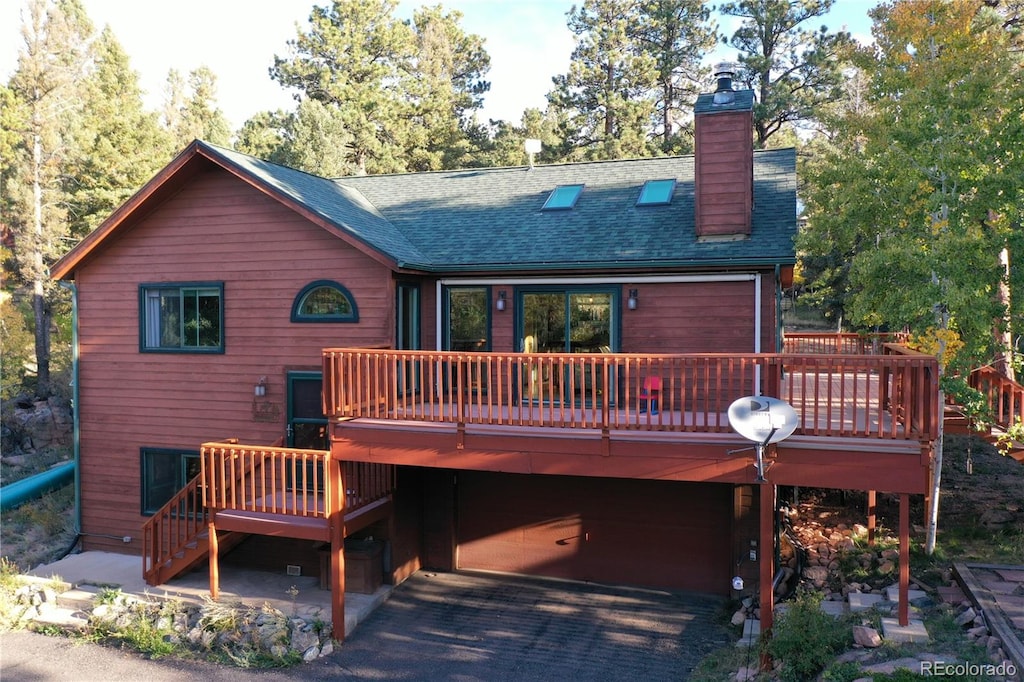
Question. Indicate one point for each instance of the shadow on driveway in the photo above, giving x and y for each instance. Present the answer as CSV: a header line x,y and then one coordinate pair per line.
x,y
472,626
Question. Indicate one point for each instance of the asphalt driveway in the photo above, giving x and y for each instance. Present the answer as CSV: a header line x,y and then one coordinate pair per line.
x,y
448,626
471,626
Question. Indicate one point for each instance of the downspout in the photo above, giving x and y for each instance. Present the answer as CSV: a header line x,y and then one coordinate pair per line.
x,y
75,411
437,315
757,332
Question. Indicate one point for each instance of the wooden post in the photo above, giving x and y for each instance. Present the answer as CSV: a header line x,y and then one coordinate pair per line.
x,y
871,518
214,561
336,523
766,557
904,607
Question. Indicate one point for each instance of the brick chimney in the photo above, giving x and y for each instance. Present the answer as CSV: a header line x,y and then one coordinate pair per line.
x,y
724,161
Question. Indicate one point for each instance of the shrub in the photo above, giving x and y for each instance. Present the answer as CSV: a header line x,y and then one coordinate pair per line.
x,y
805,639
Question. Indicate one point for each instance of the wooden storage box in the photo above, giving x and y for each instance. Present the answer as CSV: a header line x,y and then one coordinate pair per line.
x,y
364,569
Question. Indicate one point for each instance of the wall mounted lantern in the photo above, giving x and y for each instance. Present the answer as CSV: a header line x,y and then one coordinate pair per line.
x,y
631,302
260,389
500,303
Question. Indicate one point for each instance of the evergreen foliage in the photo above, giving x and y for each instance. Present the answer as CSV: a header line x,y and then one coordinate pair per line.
x,y
793,71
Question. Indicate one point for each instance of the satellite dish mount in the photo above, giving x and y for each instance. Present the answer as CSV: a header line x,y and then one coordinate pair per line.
x,y
764,421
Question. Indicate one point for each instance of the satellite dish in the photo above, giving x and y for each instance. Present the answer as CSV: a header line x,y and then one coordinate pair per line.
x,y
762,419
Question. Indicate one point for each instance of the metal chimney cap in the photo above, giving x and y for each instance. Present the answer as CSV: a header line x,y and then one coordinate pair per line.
x,y
724,68
724,71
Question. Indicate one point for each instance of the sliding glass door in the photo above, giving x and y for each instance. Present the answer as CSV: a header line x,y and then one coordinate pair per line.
x,y
566,321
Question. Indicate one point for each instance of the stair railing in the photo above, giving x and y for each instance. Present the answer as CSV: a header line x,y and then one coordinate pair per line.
x,y
175,527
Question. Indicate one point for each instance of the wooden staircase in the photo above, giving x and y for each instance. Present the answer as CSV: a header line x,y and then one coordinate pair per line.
x,y
175,539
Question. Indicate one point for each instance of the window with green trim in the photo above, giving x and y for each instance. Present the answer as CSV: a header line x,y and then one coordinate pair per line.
x,y
324,301
469,318
181,318
165,472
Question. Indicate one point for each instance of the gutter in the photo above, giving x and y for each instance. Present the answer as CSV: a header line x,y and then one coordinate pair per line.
x,y
620,266
75,411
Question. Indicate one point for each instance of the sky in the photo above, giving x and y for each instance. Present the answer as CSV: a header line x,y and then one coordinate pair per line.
x,y
237,39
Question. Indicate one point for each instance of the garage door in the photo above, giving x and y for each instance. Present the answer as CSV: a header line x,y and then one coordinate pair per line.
x,y
652,533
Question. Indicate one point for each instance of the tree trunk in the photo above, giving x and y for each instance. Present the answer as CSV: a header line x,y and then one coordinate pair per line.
x,y
1004,336
39,307
933,508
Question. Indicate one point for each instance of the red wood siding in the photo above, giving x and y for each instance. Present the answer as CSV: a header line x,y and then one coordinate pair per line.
x,y
219,230
680,317
724,173
650,533
698,317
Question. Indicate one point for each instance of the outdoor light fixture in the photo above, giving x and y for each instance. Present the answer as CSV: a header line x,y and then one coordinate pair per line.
x,y
632,300
500,303
260,389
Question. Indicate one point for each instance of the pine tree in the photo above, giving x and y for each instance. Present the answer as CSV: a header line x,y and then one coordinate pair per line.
x,y
352,58
191,113
605,93
445,86
47,83
116,145
793,71
677,34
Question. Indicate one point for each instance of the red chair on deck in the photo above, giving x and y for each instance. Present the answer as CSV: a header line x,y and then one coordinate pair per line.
x,y
650,392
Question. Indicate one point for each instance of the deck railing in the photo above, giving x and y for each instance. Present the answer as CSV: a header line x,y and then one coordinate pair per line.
x,y
1005,397
888,396
293,482
846,343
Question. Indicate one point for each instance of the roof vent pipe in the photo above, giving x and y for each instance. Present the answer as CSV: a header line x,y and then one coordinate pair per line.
x,y
724,72
533,146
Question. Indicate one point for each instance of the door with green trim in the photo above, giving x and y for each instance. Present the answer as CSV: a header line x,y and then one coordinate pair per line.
x,y
307,424
566,321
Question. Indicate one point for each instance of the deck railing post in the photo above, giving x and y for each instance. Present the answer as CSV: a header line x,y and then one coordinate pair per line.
x,y
336,524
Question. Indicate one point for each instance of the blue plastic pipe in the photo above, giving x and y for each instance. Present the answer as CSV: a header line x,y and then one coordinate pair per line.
x,y
32,487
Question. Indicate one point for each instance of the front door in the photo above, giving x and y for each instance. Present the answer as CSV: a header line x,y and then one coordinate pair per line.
x,y
307,424
565,321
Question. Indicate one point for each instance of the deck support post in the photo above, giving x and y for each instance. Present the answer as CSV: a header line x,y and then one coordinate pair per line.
x,y
871,517
766,556
904,606
214,561
336,524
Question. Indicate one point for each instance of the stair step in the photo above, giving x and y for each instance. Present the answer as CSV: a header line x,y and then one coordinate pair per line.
x,y
64,618
80,598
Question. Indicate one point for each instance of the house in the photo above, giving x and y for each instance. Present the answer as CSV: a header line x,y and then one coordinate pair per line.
x,y
515,369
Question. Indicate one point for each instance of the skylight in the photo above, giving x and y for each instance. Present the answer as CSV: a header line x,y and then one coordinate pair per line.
x,y
656,193
562,197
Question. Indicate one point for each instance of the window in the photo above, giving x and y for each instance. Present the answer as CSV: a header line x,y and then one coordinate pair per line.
x,y
165,472
656,193
468,319
563,197
468,314
182,317
324,301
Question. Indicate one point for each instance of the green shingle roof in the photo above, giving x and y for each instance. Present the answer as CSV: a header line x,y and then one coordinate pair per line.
x,y
491,219
742,100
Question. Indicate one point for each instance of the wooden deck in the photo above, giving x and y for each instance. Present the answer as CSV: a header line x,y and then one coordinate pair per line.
x,y
864,421
890,396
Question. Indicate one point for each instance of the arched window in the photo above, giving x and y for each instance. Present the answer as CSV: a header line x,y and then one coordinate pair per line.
x,y
324,301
